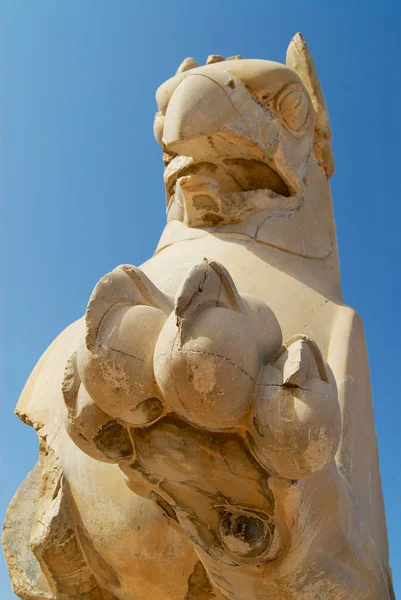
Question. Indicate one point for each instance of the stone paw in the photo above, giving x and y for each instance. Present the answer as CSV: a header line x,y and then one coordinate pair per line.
x,y
295,422
145,355
201,405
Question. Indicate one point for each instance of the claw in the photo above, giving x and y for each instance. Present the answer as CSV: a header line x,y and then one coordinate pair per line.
x,y
125,285
210,351
125,315
207,285
91,429
295,424
301,357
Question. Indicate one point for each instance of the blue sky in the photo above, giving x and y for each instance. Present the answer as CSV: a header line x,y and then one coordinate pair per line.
x,y
81,175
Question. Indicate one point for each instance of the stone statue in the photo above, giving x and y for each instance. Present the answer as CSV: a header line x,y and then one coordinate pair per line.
x,y
206,430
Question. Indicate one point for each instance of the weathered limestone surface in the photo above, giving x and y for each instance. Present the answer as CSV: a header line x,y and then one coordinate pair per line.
x,y
207,429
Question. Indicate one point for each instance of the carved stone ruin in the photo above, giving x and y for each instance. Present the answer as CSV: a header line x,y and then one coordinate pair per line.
x,y
206,430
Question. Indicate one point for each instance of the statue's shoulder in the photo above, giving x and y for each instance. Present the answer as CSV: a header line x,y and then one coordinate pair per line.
x,y
347,326
40,403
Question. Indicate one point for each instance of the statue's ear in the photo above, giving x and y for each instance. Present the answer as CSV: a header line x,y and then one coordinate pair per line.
x,y
299,59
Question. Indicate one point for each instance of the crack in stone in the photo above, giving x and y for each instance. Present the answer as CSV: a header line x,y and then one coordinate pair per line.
x,y
125,354
224,358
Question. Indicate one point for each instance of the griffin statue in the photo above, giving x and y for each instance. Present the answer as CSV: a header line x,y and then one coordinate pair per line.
x,y
206,430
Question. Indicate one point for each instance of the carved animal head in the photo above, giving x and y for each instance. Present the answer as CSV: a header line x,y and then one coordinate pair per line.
x,y
240,136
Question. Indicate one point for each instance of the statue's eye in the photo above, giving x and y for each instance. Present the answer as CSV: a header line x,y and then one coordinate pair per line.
x,y
293,107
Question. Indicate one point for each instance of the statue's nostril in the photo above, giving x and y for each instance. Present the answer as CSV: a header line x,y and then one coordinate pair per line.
x,y
244,535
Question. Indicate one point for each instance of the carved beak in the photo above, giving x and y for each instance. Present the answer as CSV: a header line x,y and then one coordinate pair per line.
x,y
215,127
210,111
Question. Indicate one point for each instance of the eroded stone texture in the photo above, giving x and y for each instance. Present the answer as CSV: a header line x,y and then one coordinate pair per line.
x,y
45,557
210,418
28,580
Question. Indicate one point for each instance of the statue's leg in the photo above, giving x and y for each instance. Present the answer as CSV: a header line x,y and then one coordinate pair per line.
x,y
27,578
232,433
44,555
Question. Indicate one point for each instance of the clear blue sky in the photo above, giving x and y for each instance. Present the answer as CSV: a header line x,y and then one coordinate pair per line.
x,y
81,176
